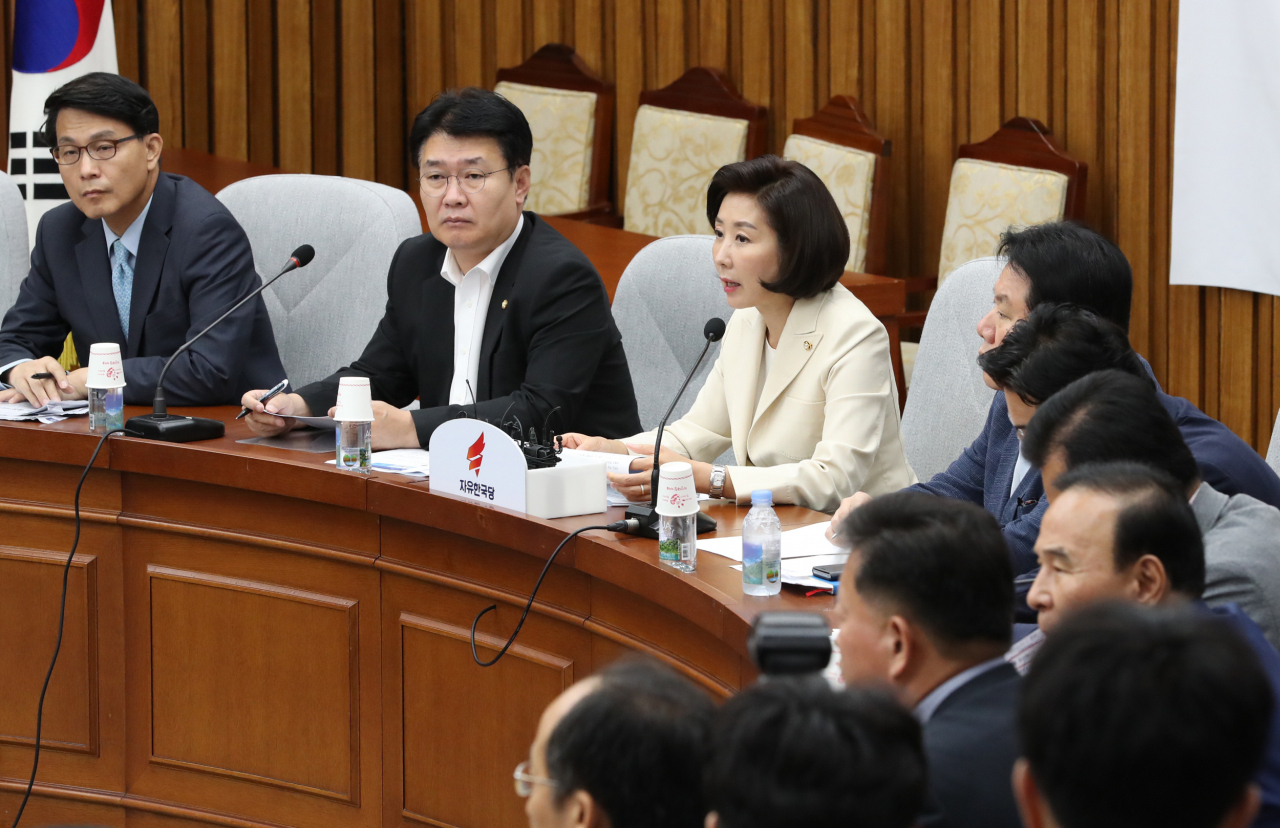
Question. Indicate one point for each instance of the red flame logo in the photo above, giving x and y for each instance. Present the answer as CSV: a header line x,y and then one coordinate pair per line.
x,y
476,454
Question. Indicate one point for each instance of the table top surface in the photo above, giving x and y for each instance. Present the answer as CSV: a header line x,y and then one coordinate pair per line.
x,y
628,561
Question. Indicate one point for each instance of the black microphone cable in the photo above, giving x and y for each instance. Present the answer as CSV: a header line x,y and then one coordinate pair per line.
x,y
618,526
62,614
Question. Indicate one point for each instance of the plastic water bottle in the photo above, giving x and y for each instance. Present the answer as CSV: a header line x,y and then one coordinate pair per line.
x,y
106,409
762,547
678,541
355,447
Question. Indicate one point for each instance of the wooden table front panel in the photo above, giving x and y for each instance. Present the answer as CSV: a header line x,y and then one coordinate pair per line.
x,y
253,639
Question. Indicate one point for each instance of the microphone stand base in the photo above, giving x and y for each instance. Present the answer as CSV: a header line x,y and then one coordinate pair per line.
x,y
171,429
648,518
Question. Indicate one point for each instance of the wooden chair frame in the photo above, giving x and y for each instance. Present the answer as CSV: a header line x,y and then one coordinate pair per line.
x,y
557,66
710,92
843,122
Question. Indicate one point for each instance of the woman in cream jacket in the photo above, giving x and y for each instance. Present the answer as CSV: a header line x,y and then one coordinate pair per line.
x,y
803,389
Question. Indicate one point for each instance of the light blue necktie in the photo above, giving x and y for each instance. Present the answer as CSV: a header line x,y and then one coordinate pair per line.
x,y
122,281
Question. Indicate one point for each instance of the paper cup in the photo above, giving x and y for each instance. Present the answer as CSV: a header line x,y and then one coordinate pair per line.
x,y
676,492
355,404
106,369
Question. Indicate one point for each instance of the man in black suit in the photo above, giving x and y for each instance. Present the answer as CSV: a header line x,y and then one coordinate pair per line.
x,y
926,606
140,258
493,314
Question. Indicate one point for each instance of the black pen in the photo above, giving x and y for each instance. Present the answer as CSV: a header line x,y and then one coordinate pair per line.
x,y
42,375
280,386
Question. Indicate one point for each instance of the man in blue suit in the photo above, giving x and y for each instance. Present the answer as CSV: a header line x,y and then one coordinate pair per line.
x,y
140,258
1066,263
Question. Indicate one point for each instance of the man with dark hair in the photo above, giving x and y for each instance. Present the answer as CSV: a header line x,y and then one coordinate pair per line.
x,y
1112,416
1134,718
1053,262
795,752
622,749
1058,344
139,258
1124,531
493,314
926,606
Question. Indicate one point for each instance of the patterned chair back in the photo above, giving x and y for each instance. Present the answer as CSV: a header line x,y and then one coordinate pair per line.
x,y
563,122
848,174
986,198
674,154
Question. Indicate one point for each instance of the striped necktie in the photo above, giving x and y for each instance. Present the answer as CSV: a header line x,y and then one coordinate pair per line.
x,y
122,281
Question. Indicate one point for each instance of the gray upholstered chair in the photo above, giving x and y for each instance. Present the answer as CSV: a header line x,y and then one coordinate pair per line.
x,y
13,242
665,296
1273,452
323,314
948,402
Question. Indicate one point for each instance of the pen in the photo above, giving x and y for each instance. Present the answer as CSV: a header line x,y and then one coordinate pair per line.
x,y
263,399
42,375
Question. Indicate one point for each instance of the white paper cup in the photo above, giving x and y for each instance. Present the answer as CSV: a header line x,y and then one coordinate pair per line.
x,y
355,403
106,368
676,492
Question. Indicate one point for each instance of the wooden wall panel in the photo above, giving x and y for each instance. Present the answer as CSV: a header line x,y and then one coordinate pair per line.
x,y
331,86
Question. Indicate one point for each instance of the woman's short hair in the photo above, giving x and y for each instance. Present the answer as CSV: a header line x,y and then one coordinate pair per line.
x,y
813,240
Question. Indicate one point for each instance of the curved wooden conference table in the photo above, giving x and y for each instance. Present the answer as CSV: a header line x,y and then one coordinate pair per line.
x,y
254,638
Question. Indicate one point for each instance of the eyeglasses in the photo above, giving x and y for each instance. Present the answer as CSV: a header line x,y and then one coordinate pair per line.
x,y
103,149
524,781
471,181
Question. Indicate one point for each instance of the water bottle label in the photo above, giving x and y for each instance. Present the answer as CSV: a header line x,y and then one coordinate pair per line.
x,y
772,572
669,550
753,570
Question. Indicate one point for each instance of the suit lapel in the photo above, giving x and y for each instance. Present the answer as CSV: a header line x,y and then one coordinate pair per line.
x,y
741,369
798,342
152,248
1004,473
95,283
503,286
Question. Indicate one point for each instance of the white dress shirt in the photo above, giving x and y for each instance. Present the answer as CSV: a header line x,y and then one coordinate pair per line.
x,y
471,293
132,238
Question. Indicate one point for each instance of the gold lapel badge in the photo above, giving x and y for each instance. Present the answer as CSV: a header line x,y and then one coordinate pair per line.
x,y
808,346
504,304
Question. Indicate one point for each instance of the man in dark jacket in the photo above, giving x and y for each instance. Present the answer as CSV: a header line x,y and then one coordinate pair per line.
x,y
493,314
926,606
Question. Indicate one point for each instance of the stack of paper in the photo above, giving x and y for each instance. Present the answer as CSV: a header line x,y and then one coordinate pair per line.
x,y
796,543
50,412
409,462
613,464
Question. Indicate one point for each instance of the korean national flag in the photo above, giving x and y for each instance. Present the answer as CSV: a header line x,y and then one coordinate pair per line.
x,y
54,41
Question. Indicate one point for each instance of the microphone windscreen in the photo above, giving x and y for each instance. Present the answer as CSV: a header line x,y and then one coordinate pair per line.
x,y
714,329
304,254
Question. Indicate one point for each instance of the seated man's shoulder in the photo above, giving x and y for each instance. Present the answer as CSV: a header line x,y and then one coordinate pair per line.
x,y
1247,512
553,252
194,207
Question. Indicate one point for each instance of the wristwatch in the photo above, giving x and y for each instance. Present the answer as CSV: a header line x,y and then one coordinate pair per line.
x,y
717,481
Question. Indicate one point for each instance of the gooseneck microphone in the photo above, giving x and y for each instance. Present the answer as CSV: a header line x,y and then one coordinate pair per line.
x,y
646,517
159,424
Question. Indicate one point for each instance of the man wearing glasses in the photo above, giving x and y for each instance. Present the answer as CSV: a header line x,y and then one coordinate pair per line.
x,y
140,258
493,314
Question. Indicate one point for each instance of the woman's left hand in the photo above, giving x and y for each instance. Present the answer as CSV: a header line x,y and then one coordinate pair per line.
x,y
635,485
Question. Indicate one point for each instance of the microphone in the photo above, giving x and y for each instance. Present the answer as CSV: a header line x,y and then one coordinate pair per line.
x,y
646,517
159,424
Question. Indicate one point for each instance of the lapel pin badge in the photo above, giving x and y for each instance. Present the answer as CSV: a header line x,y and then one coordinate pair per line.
x,y
504,304
808,346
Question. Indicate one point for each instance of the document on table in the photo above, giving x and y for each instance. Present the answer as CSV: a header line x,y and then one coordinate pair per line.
x,y
613,464
409,462
314,422
51,412
799,571
796,543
